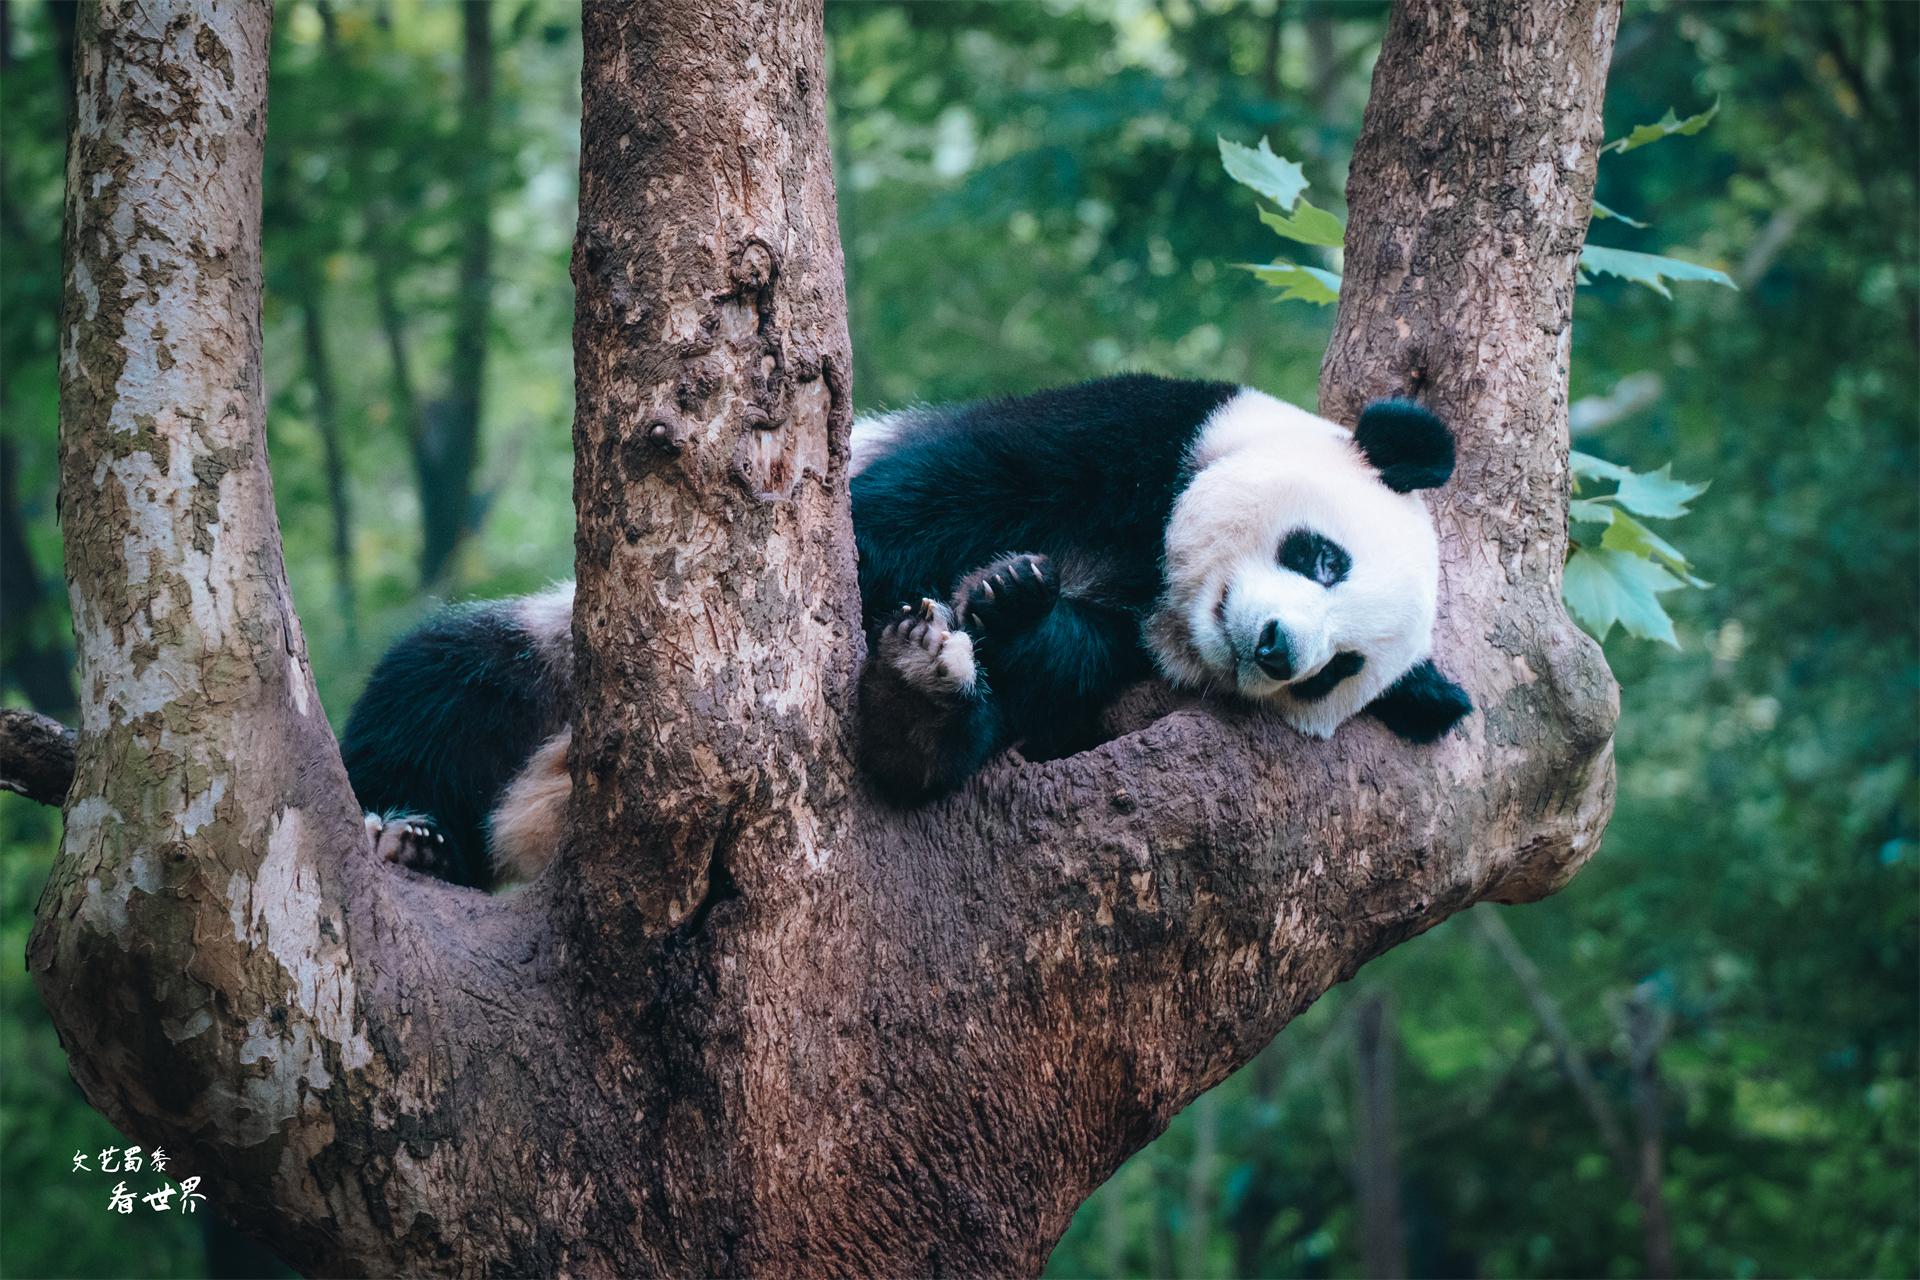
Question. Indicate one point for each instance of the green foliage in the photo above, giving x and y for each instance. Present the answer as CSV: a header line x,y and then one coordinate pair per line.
x,y
1601,211
1275,177
1297,283
1619,575
1649,269
1666,126
1308,225
1604,586
1281,181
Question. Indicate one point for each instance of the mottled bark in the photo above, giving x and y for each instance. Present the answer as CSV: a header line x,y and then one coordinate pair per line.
x,y
755,1021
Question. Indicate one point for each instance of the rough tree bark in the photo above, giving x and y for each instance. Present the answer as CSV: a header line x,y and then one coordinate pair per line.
x,y
755,1021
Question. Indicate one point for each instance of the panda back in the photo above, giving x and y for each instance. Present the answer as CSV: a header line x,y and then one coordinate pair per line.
x,y
1075,472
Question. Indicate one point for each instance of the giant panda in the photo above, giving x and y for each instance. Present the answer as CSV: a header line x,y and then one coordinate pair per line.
x,y
1021,560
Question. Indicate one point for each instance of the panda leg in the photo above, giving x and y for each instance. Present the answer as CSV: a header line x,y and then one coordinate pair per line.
x,y
525,829
926,718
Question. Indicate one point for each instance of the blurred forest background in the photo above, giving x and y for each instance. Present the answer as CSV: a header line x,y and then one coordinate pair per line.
x,y
1701,1057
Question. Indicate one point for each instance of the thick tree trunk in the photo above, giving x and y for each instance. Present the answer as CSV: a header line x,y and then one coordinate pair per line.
x,y
754,1021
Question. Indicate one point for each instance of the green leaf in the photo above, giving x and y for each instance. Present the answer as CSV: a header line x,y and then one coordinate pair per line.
x,y
1308,225
1601,211
1297,283
1275,177
1666,127
1591,511
1629,536
1656,493
1588,467
1649,269
1603,587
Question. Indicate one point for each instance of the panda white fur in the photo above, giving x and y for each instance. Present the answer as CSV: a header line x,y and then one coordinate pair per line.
x,y
1021,561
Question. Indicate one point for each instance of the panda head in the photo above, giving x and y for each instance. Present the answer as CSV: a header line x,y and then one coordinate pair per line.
x,y
1301,566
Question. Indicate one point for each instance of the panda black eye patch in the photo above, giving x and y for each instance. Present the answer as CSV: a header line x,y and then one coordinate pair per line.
x,y
1313,556
1324,681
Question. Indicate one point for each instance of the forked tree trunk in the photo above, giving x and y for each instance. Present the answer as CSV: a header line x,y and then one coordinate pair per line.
x,y
754,1021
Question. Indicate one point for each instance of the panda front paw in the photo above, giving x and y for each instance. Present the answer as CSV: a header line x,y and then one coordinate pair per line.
x,y
926,648
1009,595
407,840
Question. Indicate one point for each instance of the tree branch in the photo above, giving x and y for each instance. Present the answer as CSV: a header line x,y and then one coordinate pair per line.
x,y
36,756
1213,873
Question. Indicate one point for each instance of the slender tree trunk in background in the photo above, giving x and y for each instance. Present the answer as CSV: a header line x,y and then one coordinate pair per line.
x,y
450,443
442,433
1376,1137
1201,1173
1323,62
1270,59
1115,1230
1644,1035
326,419
32,657
404,400
62,18
1160,1245
754,1021
1639,1163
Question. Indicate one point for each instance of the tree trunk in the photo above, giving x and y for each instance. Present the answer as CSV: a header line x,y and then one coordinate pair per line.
x,y
1645,1030
450,445
1376,1138
326,419
31,655
1202,1174
754,1021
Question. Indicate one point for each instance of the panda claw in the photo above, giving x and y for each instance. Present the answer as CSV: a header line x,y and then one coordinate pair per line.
x,y
1008,595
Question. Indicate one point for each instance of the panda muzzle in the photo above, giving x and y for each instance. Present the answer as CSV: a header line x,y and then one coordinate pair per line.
x,y
1273,654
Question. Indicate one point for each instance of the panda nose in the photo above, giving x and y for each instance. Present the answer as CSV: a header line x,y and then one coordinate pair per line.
x,y
1273,654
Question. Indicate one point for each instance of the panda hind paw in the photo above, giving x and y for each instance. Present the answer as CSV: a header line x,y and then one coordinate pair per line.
x,y
926,648
1008,595
407,840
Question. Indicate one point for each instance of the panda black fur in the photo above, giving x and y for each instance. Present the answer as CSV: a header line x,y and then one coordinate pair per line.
x,y
449,719
1021,560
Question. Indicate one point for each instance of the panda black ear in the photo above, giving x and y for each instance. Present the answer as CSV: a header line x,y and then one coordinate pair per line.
x,y
1407,445
1422,704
